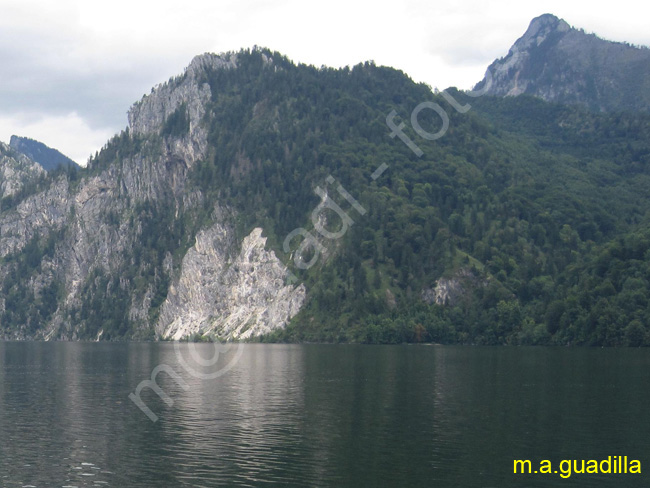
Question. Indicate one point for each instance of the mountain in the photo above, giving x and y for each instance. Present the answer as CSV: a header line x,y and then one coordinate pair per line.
x,y
47,157
18,175
252,197
559,63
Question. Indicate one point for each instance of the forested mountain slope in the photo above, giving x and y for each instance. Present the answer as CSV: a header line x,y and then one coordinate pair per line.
x,y
524,222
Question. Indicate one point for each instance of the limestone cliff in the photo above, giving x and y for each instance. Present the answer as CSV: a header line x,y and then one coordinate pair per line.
x,y
454,289
126,249
240,295
16,171
559,63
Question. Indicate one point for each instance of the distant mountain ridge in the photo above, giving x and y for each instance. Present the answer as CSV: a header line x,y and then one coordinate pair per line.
x,y
46,156
562,64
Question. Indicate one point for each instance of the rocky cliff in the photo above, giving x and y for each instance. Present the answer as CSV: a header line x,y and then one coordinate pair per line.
x,y
126,249
559,63
16,171
240,295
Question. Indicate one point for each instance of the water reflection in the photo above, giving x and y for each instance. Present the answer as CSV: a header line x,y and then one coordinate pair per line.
x,y
316,415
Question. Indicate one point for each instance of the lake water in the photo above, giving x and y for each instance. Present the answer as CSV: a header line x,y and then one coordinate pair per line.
x,y
317,415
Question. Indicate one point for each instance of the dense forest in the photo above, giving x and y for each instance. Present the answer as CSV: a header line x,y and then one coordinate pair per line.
x,y
538,213
546,206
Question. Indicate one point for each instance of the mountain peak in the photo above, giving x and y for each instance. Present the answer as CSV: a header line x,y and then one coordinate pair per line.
x,y
539,30
212,61
559,63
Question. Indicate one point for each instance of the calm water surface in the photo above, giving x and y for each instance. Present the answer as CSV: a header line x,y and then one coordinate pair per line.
x,y
310,415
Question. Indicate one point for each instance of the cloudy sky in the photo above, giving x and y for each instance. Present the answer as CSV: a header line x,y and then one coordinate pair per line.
x,y
71,68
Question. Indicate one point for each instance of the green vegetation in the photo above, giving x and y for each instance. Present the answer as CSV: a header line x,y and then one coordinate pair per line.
x,y
178,123
524,192
23,309
543,209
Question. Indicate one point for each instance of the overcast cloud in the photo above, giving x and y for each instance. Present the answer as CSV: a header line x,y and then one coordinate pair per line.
x,y
72,68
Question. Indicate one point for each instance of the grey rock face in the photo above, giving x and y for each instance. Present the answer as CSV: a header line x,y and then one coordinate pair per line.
x,y
16,170
226,285
452,290
190,91
562,64
539,30
37,213
228,294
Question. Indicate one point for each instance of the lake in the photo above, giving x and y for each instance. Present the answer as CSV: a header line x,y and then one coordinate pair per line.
x,y
317,415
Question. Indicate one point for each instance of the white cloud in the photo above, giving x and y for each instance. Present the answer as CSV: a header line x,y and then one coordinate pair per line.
x,y
93,59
